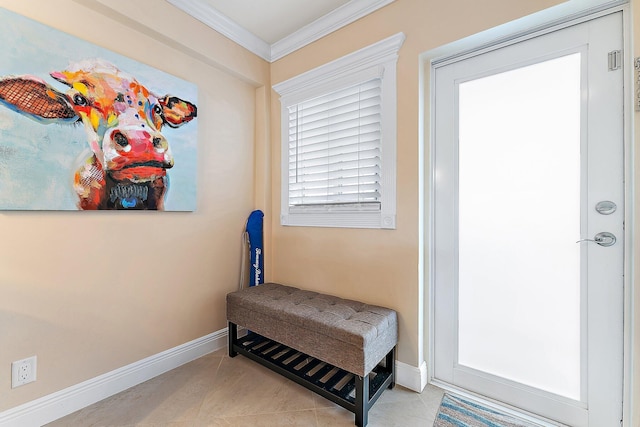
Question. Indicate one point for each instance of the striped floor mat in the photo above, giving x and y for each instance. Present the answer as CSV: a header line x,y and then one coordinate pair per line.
x,y
458,412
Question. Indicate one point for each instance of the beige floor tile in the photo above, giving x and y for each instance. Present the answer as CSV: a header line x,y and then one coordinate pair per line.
x,y
178,395
220,353
431,396
217,390
170,398
188,423
296,418
335,417
321,402
408,413
242,387
398,394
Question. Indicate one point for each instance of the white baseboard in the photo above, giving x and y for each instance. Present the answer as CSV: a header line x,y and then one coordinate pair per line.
x,y
56,405
64,402
412,377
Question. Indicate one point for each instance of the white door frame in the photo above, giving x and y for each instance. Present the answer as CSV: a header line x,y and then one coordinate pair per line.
x,y
531,26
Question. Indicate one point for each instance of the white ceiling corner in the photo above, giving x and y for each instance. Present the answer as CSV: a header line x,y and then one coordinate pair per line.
x,y
334,20
344,14
208,15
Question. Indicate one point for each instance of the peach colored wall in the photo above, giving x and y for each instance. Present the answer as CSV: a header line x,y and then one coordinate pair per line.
x,y
86,312
378,266
89,292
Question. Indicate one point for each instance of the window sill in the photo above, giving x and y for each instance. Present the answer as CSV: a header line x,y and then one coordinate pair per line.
x,y
374,220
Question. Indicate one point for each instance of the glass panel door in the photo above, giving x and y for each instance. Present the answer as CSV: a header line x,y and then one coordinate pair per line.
x,y
519,220
528,163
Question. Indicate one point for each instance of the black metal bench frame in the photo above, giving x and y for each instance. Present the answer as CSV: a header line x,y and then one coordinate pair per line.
x,y
320,377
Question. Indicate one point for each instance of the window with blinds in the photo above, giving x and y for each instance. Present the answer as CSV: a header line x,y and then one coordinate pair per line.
x,y
338,134
335,149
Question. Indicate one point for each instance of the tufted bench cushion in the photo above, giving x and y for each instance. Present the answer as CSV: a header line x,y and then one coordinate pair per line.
x,y
348,334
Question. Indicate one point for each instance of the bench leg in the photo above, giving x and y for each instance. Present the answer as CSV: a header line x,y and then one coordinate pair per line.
x,y
390,364
362,400
233,336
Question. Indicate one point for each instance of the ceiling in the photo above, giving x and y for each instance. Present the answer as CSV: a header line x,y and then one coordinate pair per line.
x,y
272,20
275,28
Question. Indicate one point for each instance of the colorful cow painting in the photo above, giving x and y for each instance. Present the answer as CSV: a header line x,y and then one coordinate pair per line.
x,y
129,158
83,127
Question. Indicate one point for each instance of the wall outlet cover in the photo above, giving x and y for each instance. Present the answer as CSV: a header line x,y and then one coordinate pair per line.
x,y
23,371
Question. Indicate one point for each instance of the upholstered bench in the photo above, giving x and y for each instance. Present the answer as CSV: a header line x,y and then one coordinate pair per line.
x,y
341,349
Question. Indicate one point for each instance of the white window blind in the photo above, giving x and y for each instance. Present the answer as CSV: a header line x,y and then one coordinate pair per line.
x,y
335,149
338,130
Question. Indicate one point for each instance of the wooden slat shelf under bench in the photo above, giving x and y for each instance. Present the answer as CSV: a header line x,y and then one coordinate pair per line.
x,y
348,390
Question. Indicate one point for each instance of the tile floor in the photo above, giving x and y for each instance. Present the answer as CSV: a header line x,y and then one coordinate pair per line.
x,y
216,390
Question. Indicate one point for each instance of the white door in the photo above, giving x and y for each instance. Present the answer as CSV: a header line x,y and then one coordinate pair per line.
x,y
528,224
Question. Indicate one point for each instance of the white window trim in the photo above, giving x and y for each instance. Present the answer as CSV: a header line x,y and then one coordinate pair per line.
x,y
375,61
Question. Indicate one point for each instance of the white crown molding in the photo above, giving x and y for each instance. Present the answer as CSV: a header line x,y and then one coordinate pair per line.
x,y
367,57
203,12
327,24
59,404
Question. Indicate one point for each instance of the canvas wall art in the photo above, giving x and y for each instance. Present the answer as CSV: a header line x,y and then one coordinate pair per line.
x,y
83,128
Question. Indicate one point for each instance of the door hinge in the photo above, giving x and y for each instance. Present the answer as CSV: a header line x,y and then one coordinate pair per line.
x,y
615,60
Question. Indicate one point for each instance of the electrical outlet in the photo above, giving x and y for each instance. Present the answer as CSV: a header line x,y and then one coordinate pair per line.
x,y
23,371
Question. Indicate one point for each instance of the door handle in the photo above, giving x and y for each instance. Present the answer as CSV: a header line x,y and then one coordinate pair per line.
x,y
603,238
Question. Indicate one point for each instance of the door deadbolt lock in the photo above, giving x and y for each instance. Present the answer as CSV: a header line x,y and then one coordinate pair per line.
x,y
603,238
606,207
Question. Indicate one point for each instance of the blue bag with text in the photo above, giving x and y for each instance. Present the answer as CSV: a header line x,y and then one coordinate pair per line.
x,y
254,232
